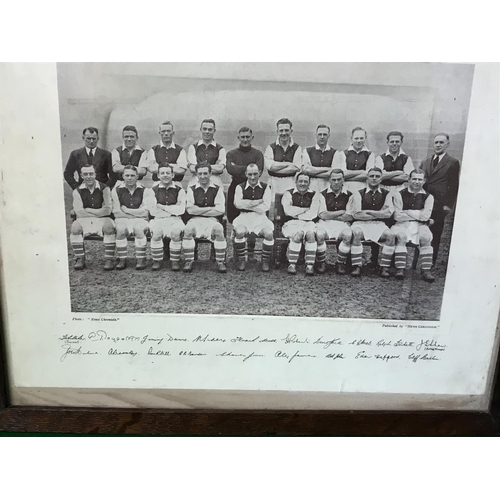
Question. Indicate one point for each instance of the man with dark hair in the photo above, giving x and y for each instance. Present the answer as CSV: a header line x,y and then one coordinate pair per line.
x,y
92,207
317,160
129,153
237,161
335,213
395,164
301,205
130,208
355,161
206,150
442,172
253,199
167,152
204,203
412,211
283,158
168,203
90,154
372,206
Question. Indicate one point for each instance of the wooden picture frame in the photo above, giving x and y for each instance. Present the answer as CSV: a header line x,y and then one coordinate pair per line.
x,y
150,421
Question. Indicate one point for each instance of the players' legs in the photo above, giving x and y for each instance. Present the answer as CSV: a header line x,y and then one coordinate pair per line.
x,y
76,240
140,230
294,250
356,251
310,247
240,245
220,246
426,253
344,249
388,238
188,245
109,237
321,238
121,243
157,236
400,252
267,247
175,247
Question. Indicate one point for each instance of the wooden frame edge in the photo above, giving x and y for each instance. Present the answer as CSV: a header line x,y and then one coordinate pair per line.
x,y
3,367
155,422
247,423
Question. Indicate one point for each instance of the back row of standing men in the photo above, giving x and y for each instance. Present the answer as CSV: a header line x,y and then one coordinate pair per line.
x,y
282,160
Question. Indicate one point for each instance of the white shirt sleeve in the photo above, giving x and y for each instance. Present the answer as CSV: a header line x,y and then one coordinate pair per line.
x,y
409,168
268,157
222,157
191,155
379,163
151,163
220,201
339,161
297,158
306,160
77,201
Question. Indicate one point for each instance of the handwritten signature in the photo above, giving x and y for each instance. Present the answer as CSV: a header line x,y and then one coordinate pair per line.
x,y
430,345
290,358
422,357
69,350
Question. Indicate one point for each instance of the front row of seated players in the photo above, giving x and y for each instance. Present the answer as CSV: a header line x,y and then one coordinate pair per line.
x,y
312,218
351,218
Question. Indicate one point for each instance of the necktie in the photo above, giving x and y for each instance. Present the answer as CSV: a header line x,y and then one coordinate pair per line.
x,y
91,157
435,162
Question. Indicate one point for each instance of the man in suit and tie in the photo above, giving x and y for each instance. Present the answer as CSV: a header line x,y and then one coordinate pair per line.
x,y
90,154
441,171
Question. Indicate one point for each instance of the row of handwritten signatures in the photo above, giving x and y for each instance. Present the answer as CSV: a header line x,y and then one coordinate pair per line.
x,y
71,350
102,336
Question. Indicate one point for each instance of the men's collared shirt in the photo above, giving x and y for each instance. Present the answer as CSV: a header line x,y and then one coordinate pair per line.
x,y
136,199
341,201
219,200
193,160
340,159
294,202
407,167
367,199
441,156
416,206
323,158
118,164
239,199
172,198
99,197
170,157
290,143
269,154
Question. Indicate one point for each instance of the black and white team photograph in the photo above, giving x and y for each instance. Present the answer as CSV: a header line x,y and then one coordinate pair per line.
x,y
323,190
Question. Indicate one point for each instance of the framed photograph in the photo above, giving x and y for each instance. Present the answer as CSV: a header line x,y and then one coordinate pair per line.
x,y
284,248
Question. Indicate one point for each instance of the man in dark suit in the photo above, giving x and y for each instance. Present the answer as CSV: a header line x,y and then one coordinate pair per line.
x,y
441,171
89,155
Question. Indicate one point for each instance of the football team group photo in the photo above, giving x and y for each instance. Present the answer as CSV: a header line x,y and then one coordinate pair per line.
x,y
189,224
